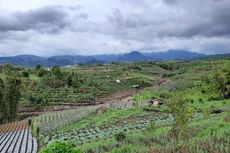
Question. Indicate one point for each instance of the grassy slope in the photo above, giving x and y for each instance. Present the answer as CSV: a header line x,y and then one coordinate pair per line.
x,y
158,139
94,81
213,130
109,116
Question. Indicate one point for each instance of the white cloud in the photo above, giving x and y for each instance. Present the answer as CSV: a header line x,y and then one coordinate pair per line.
x,y
57,27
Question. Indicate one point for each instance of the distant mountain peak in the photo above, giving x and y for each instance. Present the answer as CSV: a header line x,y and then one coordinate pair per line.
x,y
133,56
134,52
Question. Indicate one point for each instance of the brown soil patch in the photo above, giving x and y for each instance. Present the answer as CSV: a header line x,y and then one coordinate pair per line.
x,y
19,125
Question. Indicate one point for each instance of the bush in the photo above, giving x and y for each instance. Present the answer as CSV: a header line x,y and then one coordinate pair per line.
x,y
165,75
205,79
120,136
150,108
203,91
29,122
41,72
38,131
61,147
227,118
25,74
37,100
182,113
222,83
213,98
201,100
125,149
164,95
56,70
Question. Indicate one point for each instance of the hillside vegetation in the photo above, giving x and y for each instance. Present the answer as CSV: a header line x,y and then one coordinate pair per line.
x,y
194,116
174,106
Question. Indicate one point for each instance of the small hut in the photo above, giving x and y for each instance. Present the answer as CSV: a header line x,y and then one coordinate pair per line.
x,y
155,103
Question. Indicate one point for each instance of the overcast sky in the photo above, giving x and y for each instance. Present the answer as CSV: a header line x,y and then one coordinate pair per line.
x,y
89,27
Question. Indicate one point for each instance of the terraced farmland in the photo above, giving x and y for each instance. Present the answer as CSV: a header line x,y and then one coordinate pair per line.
x,y
17,137
90,134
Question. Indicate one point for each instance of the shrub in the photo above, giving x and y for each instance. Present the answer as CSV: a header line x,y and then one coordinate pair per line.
x,y
120,136
152,125
205,79
150,108
25,74
29,122
38,67
222,83
203,91
41,72
227,118
61,147
213,98
38,131
201,100
164,95
37,100
125,149
192,101
56,70
182,113
165,75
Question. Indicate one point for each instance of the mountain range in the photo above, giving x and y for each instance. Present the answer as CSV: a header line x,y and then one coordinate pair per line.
x,y
134,56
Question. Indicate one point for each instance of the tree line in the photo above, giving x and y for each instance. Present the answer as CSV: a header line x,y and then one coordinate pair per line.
x,y
222,83
10,93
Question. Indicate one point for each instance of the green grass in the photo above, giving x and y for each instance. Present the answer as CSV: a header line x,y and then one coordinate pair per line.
x,y
192,80
105,118
34,77
158,139
89,82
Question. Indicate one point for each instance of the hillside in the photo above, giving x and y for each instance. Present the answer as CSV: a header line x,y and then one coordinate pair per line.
x,y
31,61
23,60
133,56
174,55
135,107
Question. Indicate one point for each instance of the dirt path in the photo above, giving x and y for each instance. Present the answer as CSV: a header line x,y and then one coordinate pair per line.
x,y
131,92
103,101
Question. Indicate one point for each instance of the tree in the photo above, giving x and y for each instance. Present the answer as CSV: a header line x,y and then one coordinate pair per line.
x,y
25,74
1,94
56,70
11,97
69,81
222,83
38,67
41,72
182,113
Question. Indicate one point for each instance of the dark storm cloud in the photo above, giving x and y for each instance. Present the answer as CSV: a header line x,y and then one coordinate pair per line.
x,y
171,1
208,18
47,19
124,25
